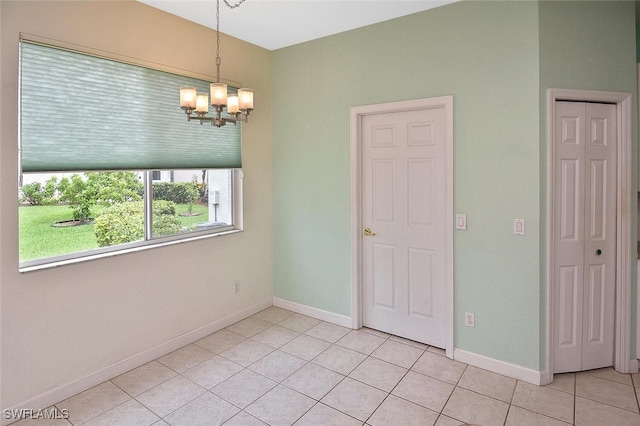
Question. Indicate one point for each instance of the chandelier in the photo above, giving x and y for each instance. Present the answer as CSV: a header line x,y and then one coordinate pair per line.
x,y
237,106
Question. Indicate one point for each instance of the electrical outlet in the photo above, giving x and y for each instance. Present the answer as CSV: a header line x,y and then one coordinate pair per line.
x,y
236,286
469,319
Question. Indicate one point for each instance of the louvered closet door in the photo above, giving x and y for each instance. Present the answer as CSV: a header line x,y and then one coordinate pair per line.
x,y
584,213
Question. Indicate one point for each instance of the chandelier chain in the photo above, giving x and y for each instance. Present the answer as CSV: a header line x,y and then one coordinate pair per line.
x,y
218,61
233,6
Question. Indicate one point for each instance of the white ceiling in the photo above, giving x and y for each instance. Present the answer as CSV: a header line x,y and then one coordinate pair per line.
x,y
274,24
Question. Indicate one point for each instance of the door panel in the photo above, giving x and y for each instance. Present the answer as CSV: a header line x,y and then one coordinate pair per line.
x,y
584,228
404,263
384,283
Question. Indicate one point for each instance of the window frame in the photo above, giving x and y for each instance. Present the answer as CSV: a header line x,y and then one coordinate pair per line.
x,y
148,241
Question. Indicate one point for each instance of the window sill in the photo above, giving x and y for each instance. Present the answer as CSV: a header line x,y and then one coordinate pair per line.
x,y
137,247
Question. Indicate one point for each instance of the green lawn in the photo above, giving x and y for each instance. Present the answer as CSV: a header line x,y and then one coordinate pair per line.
x,y
38,239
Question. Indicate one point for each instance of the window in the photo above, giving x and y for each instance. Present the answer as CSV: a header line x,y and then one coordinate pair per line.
x,y
109,163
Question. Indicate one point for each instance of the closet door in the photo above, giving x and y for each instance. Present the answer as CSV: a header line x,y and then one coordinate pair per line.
x,y
584,213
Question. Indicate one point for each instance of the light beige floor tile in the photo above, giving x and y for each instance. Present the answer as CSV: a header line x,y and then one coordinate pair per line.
x,y
50,416
213,371
299,323
244,419
170,395
398,411
280,406
361,341
247,352
592,413
424,390
249,327
354,398
448,421
409,342
544,400
565,382
161,423
143,378
398,353
328,332
313,381
220,341
488,383
131,413
277,365
610,374
606,391
323,415
185,358
273,314
205,410
375,332
305,347
439,367
339,359
520,417
379,374
474,408
275,336
244,388
93,402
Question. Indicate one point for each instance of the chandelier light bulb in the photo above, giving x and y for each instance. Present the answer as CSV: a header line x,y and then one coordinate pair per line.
x,y
188,97
232,104
245,98
218,94
202,103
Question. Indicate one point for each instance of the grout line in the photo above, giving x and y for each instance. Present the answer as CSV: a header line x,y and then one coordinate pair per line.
x,y
334,344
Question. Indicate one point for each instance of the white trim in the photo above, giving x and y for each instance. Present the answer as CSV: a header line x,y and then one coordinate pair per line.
x,y
638,262
74,387
316,313
357,114
623,362
500,367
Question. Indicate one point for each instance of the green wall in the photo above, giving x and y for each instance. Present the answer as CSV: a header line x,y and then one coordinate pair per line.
x,y
485,55
491,56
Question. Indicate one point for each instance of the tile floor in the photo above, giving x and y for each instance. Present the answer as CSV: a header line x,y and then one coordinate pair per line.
x,y
282,368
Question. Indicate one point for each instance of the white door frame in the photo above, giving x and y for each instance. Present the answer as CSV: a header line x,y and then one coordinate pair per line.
x,y
623,362
357,114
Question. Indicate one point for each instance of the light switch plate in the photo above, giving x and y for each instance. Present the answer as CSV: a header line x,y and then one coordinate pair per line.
x,y
461,221
518,226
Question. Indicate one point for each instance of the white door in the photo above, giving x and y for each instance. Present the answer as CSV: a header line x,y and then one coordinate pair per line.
x,y
405,227
584,210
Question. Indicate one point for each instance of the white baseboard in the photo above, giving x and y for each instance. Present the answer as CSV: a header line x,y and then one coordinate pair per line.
x,y
496,366
74,387
316,313
633,366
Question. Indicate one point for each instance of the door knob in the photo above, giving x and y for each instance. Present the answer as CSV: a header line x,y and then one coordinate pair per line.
x,y
598,252
368,232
